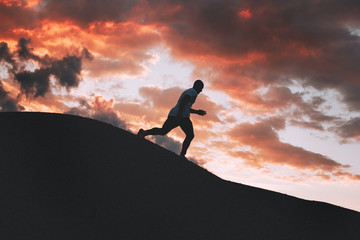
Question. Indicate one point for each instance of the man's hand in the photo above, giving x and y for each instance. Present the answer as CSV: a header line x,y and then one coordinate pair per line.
x,y
201,112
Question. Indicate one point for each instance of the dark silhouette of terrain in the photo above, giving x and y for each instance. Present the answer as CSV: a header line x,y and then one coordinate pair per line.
x,y
67,177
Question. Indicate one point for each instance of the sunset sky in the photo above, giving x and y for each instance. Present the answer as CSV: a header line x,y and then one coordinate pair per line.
x,y
282,80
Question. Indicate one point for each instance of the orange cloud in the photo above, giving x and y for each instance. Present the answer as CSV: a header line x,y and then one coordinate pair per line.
x,y
266,148
19,3
347,175
31,3
100,103
7,102
214,36
119,47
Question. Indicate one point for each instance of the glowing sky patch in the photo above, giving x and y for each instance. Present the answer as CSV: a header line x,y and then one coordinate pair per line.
x,y
245,13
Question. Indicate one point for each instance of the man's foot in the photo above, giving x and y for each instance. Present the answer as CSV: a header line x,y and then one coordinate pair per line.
x,y
141,133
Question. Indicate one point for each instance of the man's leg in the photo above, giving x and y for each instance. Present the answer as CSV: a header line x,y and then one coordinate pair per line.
x,y
170,123
187,127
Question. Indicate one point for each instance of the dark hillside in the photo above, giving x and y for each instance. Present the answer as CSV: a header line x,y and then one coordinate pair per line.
x,y
66,177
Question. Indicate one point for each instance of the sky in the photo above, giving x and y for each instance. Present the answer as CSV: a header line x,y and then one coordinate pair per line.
x,y
282,80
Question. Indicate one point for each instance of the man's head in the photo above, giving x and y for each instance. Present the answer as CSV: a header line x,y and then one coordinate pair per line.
x,y
198,86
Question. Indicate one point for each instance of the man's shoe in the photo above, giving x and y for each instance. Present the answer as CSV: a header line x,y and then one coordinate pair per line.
x,y
141,133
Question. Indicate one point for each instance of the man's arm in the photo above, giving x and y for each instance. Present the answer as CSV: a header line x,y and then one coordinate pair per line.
x,y
183,101
199,112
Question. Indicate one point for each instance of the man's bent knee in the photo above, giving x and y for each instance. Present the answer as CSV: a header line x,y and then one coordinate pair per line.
x,y
163,132
190,136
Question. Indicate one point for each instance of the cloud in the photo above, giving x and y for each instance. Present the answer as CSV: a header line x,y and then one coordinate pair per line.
x,y
103,111
160,98
309,125
15,15
347,175
306,41
100,109
349,129
274,43
109,117
8,104
266,148
244,44
351,96
105,66
281,101
140,111
67,71
37,83
85,12
116,47
198,161
168,143
5,54
34,84
24,52
87,55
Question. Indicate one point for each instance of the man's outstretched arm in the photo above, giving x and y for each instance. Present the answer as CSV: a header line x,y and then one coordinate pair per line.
x,y
199,112
186,99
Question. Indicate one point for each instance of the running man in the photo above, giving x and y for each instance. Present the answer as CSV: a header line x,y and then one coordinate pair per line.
x,y
180,116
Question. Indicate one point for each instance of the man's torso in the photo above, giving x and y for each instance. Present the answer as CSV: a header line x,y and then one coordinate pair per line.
x,y
186,110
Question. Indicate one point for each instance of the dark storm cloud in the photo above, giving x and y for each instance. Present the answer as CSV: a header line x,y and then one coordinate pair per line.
x,y
34,84
84,12
308,41
349,129
24,51
37,83
351,96
16,15
86,54
5,54
8,104
67,71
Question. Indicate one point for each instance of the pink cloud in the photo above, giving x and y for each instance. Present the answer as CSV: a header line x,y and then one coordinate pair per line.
x,y
266,148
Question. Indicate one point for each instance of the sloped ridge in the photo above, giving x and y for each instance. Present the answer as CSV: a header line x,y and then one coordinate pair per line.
x,y
67,177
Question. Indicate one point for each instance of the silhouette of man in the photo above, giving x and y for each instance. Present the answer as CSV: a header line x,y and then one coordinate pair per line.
x,y
180,116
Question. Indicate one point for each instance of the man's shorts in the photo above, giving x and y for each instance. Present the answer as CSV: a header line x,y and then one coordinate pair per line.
x,y
173,122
